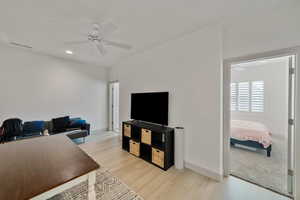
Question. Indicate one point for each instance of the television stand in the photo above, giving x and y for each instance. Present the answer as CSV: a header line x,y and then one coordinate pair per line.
x,y
150,142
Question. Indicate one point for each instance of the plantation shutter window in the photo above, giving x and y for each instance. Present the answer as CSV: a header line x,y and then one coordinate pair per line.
x,y
247,96
257,96
244,96
233,91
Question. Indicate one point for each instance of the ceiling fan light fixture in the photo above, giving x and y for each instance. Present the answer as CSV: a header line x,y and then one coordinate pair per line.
x,y
69,52
97,36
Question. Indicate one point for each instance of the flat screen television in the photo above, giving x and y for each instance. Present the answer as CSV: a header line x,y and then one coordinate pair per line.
x,y
150,107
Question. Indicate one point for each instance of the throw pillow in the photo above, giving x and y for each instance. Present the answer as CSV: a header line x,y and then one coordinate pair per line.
x,y
33,128
1,131
60,124
77,123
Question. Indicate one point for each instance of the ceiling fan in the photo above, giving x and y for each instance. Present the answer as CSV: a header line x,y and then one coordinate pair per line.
x,y
97,36
4,39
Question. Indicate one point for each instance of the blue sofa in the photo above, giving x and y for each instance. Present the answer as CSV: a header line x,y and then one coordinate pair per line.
x,y
72,127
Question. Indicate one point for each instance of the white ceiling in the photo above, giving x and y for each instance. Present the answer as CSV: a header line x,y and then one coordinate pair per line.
x,y
46,25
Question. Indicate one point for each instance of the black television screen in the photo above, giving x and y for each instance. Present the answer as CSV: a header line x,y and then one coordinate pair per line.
x,y
150,107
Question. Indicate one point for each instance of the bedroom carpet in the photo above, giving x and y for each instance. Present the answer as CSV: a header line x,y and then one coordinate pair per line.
x,y
255,166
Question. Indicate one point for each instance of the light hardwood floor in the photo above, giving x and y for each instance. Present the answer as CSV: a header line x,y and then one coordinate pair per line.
x,y
153,183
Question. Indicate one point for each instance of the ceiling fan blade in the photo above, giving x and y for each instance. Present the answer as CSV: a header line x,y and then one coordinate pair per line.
x,y
117,44
105,29
100,47
108,28
76,42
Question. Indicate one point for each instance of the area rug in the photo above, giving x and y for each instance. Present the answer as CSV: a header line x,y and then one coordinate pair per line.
x,y
108,187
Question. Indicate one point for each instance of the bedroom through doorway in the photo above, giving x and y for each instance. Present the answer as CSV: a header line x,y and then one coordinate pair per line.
x,y
261,125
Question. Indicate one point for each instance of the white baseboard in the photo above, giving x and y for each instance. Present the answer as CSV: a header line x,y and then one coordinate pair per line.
x,y
204,171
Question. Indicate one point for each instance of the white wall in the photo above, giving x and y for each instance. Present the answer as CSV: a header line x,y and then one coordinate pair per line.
x,y
188,68
263,31
241,36
275,76
37,87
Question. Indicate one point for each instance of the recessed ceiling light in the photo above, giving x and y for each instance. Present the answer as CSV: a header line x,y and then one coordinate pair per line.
x,y
69,52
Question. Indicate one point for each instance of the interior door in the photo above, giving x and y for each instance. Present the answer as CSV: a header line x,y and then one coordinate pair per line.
x,y
115,106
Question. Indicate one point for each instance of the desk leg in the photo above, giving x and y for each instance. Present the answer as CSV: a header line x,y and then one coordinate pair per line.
x,y
91,185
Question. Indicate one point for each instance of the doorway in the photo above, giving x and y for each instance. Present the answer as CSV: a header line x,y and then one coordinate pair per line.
x,y
114,106
259,118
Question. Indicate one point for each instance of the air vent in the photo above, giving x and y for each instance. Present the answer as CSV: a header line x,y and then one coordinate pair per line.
x,y
21,45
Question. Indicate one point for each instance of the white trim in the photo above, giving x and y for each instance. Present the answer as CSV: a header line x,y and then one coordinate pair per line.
x,y
110,99
226,116
263,55
297,128
89,176
204,171
227,112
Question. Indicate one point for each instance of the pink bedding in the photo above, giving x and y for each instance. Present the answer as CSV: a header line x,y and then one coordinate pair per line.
x,y
248,130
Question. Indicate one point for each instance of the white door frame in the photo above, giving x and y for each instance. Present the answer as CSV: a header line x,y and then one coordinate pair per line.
x,y
110,104
227,113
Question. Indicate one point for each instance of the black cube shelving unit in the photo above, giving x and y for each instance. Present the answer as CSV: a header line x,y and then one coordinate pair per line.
x,y
125,143
150,142
146,152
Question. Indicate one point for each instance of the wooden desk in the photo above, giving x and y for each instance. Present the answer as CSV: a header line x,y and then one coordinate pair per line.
x,y
40,168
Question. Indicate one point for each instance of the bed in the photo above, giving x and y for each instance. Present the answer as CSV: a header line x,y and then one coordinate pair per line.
x,y
251,134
